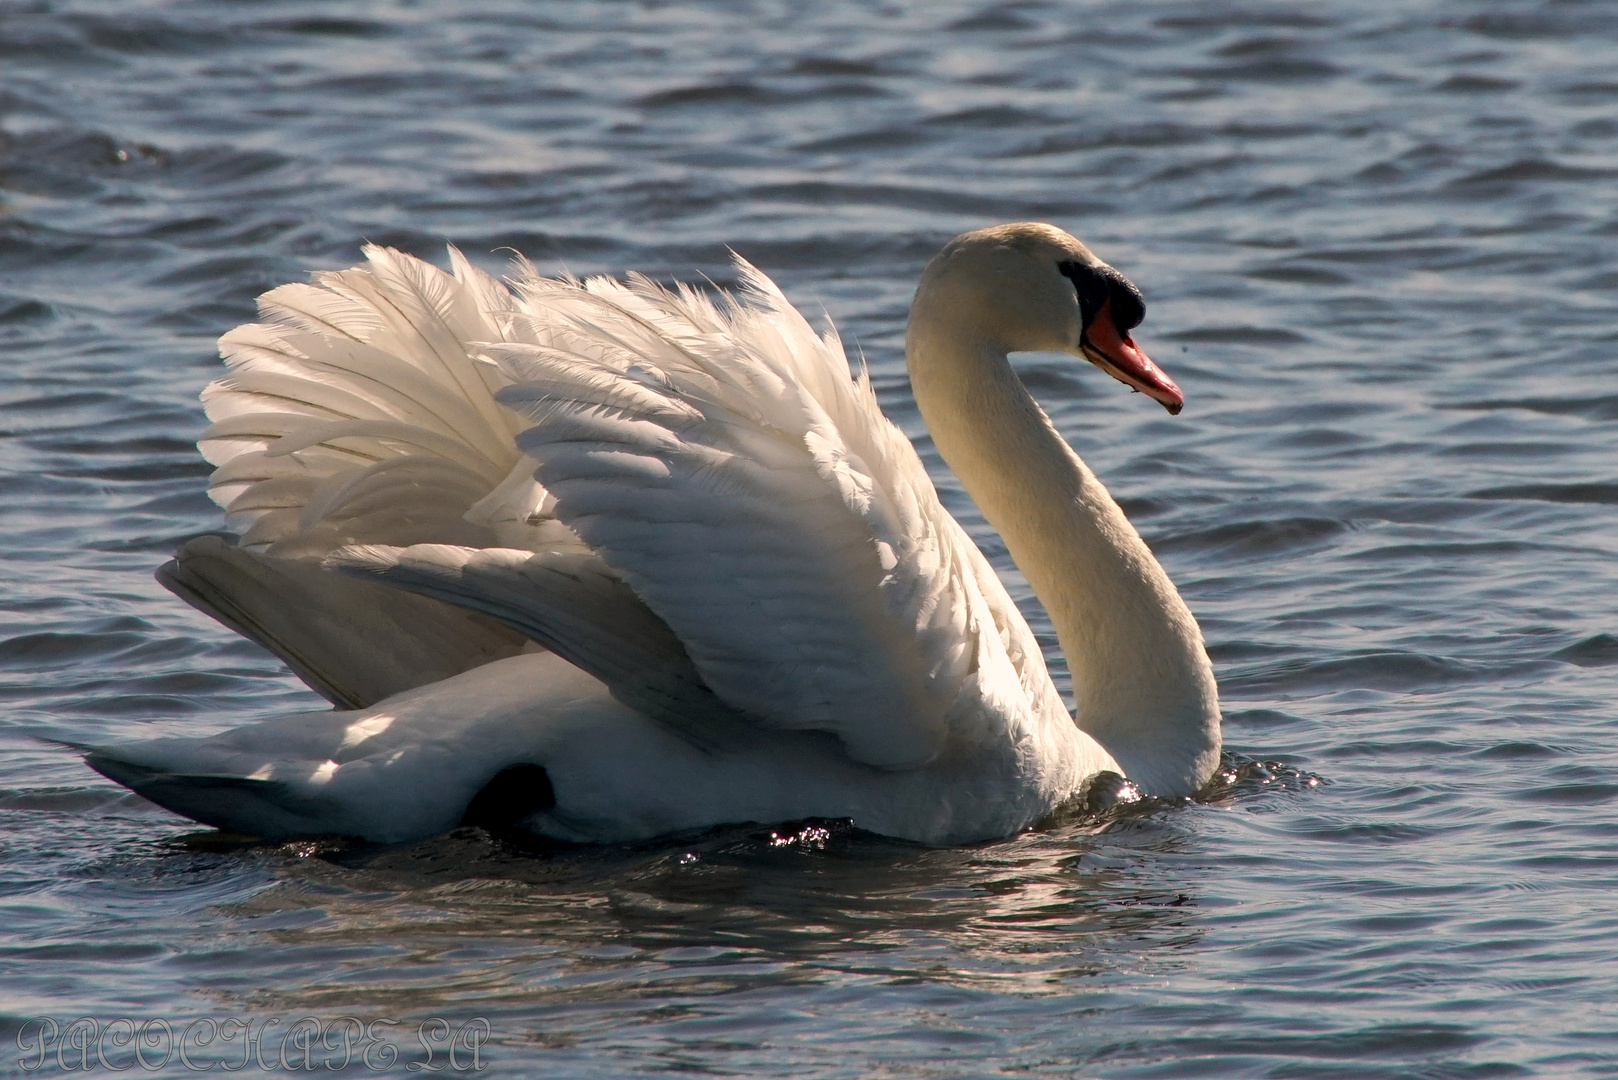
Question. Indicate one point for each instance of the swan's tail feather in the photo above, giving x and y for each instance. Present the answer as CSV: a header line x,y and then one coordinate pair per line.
x,y
354,642
475,748
268,808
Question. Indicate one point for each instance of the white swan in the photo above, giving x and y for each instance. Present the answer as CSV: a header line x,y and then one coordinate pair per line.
x,y
604,561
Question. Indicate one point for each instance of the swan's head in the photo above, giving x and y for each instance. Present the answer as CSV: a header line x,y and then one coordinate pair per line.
x,y
1031,287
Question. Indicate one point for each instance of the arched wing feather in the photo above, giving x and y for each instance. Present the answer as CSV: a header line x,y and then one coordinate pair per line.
x,y
355,412
752,494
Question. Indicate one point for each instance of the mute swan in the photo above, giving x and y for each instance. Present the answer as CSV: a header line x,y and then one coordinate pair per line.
x,y
603,561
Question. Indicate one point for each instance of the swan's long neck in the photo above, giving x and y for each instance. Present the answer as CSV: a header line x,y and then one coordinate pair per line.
x,y
1142,681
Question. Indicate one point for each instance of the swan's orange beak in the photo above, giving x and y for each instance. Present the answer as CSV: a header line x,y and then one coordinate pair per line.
x,y
1118,356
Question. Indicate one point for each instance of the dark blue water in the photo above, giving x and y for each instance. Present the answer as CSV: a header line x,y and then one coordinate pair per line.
x,y
1377,242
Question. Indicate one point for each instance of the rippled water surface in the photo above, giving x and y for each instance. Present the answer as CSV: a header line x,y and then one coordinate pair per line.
x,y
1377,242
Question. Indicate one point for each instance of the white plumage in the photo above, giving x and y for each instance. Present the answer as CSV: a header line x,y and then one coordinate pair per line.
x,y
670,552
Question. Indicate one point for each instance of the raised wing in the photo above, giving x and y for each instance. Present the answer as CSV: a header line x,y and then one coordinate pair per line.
x,y
752,494
718,461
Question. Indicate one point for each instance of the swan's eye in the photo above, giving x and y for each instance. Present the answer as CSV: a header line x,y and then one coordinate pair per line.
x,y
1095,285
